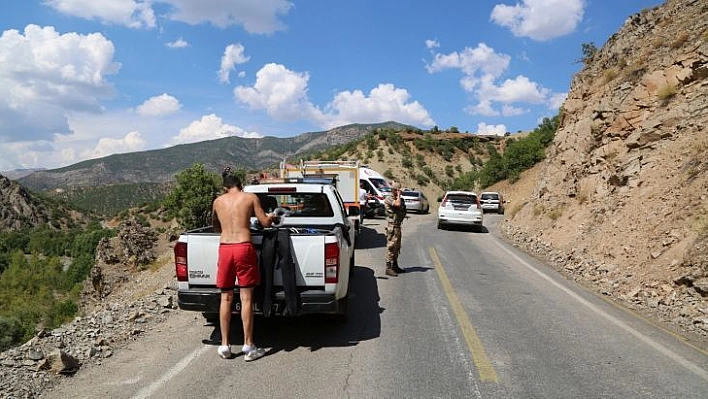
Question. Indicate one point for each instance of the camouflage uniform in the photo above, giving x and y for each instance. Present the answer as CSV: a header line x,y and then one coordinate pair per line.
x,y
394,218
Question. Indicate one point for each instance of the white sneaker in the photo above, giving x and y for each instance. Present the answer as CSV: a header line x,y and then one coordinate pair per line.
x,y
254,353
224,351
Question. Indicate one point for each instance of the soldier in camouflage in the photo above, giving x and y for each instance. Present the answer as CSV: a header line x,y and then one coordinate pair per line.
x,y
395,214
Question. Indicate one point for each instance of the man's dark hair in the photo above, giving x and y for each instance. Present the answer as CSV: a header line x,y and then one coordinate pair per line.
x,y
230,179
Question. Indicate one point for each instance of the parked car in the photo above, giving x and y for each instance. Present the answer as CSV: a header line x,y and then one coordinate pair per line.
x,y
415,201
492,201
460,208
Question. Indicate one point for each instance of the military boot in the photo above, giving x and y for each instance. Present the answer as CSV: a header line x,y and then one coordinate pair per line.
x,y
389,270
397,269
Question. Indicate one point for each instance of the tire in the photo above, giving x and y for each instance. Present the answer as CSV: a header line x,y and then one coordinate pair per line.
x,y
440,226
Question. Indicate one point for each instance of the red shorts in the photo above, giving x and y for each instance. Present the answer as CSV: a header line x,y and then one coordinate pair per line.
x,y
237,260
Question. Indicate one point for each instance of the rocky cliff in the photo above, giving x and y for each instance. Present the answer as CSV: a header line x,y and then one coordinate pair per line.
x,y
621,201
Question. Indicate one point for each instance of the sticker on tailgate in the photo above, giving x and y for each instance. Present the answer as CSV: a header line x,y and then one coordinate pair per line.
x,y
198,274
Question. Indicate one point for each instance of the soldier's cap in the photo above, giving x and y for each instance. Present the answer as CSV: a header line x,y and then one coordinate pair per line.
x,y
396,186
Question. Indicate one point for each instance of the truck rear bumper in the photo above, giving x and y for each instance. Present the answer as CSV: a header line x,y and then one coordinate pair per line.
x,y
207,300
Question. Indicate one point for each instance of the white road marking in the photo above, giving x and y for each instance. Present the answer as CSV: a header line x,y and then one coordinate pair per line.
x,y
657,346
171,373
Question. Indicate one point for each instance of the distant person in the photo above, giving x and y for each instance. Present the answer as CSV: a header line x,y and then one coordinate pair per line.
x,y
395,214
232,213
363,199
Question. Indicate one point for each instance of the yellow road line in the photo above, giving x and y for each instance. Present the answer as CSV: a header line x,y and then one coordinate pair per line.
x,y
479,356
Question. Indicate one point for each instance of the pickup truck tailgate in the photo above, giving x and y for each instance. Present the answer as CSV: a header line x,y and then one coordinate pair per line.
x,y
308,255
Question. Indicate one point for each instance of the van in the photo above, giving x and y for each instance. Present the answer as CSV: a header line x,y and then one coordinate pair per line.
x,y
374,183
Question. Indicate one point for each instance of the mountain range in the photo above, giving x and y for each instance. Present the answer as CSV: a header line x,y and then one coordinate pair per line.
x,y
159,166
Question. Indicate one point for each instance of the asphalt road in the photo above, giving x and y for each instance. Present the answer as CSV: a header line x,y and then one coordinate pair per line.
x,y
472,318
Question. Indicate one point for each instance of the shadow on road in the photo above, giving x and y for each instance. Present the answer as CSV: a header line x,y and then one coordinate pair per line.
x,y
369,238
316,331
465,228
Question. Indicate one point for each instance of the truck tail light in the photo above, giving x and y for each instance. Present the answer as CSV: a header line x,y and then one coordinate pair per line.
x,y
181,261
331,263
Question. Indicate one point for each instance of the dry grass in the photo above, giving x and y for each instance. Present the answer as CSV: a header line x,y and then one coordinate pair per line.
x,y
666,92
680,40
555,213
537,209
609,75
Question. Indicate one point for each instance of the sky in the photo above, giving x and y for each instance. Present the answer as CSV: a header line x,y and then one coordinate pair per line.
x,y
84,79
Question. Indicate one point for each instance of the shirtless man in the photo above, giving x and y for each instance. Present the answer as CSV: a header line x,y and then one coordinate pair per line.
x,y
231,214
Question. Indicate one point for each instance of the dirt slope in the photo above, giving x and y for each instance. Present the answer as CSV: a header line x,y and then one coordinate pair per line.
x,y
621,202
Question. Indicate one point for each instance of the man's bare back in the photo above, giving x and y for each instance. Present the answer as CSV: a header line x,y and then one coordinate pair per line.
x,y
231,215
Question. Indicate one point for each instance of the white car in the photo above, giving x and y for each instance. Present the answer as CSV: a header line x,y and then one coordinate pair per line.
x,y
415,201
460,208
492,201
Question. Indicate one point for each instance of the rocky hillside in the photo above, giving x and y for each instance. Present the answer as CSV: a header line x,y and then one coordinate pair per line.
x,y
21,209
621,204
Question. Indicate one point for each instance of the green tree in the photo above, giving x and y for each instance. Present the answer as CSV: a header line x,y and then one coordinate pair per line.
x,y
191,199
589,51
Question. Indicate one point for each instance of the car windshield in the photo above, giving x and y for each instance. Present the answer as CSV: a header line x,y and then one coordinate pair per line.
x,y
461,199
411,194
381,184
298,204
492,196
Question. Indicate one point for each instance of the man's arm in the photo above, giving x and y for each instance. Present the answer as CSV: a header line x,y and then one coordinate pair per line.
x,y
263,219
215,220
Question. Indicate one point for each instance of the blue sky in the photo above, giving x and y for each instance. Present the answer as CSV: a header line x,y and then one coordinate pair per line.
x,y
82,79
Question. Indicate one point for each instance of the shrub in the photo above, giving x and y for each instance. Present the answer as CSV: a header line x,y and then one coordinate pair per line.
x,y
191,199
422,180
11,332
555,214
680,40
609,75
666,92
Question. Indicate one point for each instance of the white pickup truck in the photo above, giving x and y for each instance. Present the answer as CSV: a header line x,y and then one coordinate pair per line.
x,y
322,240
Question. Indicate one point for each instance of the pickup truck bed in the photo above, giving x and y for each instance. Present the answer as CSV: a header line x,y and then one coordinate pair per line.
x,y
322,247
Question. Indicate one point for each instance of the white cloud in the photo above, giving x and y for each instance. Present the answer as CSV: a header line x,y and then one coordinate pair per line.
x,y
519,89
481,68
233,55
179,43
210,127
557,100
282,93
508,110
53,75
471,60
540,19
279,91
130,13
384,103
430,44
161,105
260,17
497,130
484,107
131,142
